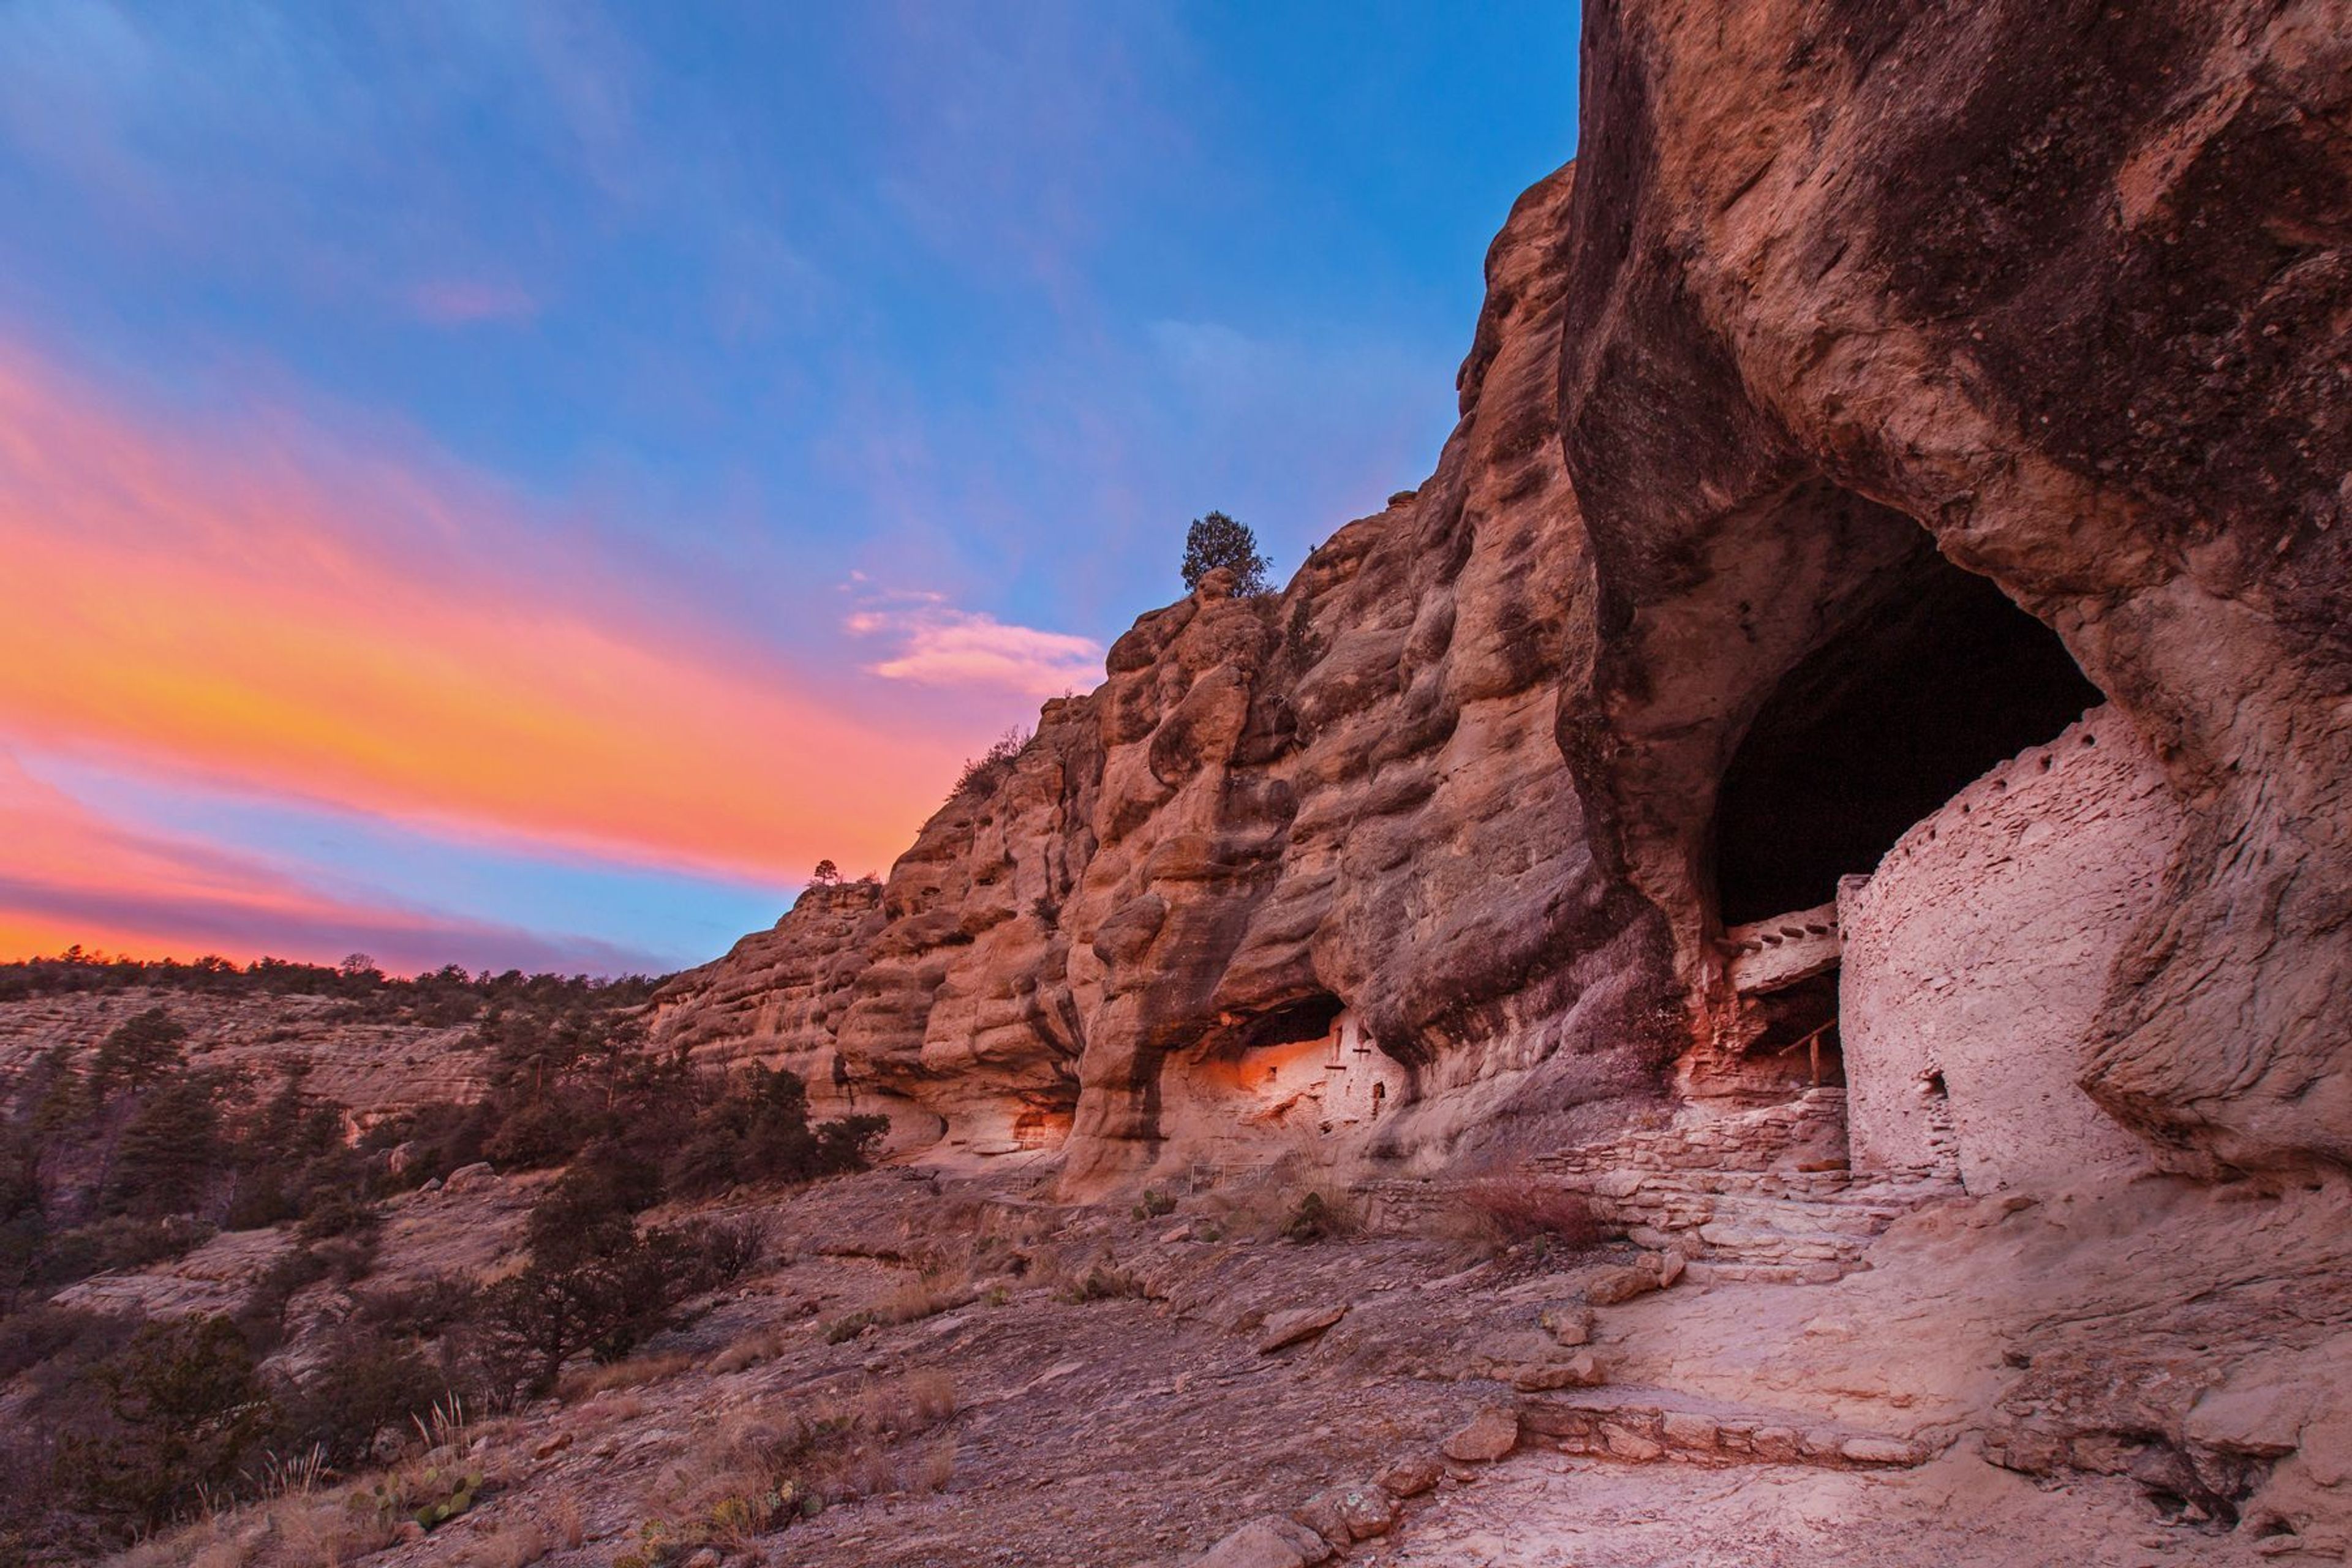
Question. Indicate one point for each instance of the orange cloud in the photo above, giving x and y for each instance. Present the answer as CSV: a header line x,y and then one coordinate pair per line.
x,y
262,608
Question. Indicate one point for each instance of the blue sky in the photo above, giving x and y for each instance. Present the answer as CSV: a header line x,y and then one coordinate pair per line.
x,y
870,360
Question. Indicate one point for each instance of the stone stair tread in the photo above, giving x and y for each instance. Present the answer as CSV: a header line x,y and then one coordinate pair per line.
x,y
1641,1424
1616,1397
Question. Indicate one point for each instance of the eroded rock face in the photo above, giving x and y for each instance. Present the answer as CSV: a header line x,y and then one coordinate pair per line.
x,y
2063,289
1327,818
1890,386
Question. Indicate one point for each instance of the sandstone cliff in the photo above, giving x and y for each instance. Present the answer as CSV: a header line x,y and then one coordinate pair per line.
x,y
1330,822
2062,287
1882,390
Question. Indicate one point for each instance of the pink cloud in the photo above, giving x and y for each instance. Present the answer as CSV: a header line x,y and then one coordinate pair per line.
x,y
459,301
249,601
938,645
70,876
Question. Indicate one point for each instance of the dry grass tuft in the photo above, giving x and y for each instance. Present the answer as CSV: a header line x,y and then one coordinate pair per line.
x,y
564,1518
1281,1202
759,1345
515,1544
760,1468
942,1283
635,1373
1515,1207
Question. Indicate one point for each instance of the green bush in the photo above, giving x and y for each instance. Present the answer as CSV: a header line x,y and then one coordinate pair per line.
x,y
1218,541
360,1389
140,1050
183,1413
172,1153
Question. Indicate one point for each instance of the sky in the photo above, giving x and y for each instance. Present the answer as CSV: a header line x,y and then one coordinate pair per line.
x,y
518,484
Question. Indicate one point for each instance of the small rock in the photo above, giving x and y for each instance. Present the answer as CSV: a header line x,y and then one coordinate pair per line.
x,y
1775,1443
1667,1265
1879,1451
1284,1330
1542,1377
1269,1543
1568,1324
1369,1511
552,1446
1412,1476
1494,1433
2277,1545
470,1178
1684,1430
1321,1514
1622,1282
1624,1444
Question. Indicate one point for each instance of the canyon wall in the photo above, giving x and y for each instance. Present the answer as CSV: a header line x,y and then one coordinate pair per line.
x,y
2062,287
1345,797
1883,388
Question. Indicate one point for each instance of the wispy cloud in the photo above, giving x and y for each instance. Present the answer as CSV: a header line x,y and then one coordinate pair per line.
x,y
935,644
462,302
253,602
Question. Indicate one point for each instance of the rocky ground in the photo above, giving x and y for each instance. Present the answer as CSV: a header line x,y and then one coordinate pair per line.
x,y
1022,1381
374,1068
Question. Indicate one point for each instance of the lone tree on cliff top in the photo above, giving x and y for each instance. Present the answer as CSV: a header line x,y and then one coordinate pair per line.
x,y
1217,541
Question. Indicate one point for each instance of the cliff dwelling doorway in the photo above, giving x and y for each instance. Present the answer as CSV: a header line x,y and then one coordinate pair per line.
x,y
1944,677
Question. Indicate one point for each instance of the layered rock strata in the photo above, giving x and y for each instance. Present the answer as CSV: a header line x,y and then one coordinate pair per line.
x,y
1885,388
1306,865
2060,290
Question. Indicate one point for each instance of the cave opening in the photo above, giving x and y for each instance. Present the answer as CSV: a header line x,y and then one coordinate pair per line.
x,y
1940,679
1307,1018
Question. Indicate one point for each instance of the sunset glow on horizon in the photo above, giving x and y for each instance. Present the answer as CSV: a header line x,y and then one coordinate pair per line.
x,y
521,486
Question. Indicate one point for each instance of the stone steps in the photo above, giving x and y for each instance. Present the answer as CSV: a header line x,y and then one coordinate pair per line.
x,y
1724,1186
1641,1425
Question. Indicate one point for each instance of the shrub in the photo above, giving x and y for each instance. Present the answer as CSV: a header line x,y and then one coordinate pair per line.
x,y
985,772
339,1213
118,1243
1314,1216
172,1153
140,1050
757,1130
1510,1209
184,1413
46,1333
427,1308
1103,1282
590,1210
602,1301
360,1389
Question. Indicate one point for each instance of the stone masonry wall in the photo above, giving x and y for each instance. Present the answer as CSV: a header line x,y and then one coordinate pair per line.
x,y
1977,956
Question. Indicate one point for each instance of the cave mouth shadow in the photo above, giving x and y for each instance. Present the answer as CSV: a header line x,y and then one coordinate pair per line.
x,y
1939,680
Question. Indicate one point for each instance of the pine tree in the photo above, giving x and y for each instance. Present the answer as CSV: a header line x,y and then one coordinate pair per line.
x,y
142,1049
1217,541
168,1153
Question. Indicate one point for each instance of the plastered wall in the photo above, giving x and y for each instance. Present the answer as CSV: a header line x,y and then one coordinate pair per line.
x,y
1976,954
